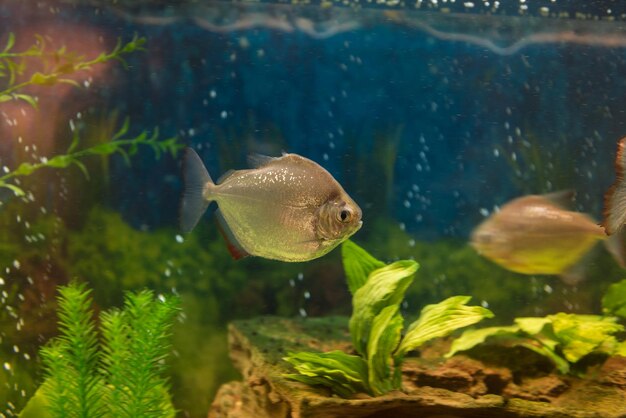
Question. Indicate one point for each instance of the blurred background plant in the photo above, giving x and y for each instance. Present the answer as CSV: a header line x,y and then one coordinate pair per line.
x,y
32,248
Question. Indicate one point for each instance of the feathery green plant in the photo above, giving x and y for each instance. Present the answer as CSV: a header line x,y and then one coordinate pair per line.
x,y
121,378
57,66
70,360
376,327
117,145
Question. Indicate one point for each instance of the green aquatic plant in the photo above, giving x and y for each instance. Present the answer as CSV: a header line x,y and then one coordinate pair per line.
x,y
614,300
123,376
377,328
563,338
57,65
117,145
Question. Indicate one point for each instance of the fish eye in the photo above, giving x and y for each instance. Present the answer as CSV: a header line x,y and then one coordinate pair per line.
x,y
345,215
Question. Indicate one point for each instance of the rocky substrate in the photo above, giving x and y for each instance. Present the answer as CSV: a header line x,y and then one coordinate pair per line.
x,y
462,386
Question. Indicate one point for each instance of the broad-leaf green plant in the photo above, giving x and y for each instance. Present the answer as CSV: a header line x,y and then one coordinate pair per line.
x,y
563,338
377,328
121,377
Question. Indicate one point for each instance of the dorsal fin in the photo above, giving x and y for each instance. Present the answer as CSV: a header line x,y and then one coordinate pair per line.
x,y
259,160
561,198
225,176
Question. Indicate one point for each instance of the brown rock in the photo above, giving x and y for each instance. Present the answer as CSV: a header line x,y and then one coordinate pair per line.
x,y
432,388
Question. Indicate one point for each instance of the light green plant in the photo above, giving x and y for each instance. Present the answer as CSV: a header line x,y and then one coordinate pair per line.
x,y
614,300
117,145
121,377
57,64
376,327
563,338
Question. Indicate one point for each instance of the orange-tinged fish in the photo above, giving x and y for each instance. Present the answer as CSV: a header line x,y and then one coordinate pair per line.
x,y
535,234
615,197
287,208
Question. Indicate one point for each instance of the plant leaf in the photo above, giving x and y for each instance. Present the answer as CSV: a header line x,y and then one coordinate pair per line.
x,y
384,287
18,191
38,405
561,364
345,374
440,320
10,42
532,325
473,337
27,98
579,335
614,300
357,264
384,339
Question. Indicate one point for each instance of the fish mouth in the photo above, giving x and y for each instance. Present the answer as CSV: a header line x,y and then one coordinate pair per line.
x,y
356,227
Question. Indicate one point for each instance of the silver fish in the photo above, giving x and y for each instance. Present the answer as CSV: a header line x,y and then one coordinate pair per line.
x,y
287,208
536,234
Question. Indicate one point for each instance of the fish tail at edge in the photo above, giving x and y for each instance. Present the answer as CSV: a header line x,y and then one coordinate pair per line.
x,y
194,202
615,197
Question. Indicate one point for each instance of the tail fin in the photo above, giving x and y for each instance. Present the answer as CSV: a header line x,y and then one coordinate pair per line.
x,y
195,177
615,197
615,246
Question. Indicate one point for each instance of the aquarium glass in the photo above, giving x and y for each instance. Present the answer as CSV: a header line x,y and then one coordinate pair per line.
x,y
430,114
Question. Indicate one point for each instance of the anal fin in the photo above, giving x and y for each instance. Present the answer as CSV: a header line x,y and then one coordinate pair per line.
x,y
234,247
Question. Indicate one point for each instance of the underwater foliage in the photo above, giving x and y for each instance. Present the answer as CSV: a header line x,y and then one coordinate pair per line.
x,y
563,338
56,65
614,300
123,376
124,147
376,327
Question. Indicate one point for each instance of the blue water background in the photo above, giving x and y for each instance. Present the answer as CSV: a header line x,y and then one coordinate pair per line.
x,y
457,105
